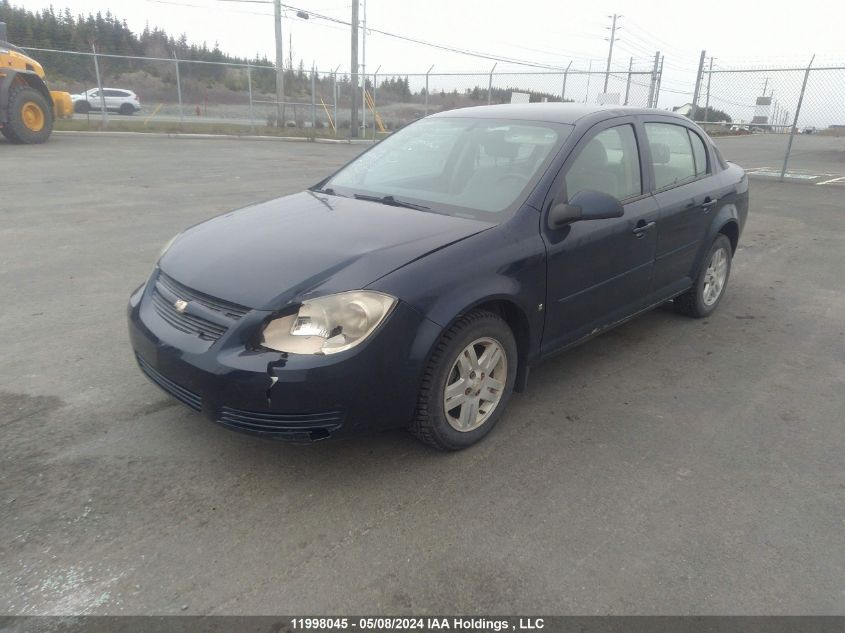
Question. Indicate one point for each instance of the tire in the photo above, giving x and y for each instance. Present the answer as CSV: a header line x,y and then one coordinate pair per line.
x,y
8,135
433,424
82,107
30,116
126,109
702,299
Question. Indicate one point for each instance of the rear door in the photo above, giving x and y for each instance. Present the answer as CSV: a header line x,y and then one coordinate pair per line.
x,y
113,98
599,271
683,188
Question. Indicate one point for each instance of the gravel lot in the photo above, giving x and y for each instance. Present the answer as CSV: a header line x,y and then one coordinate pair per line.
x,y
670,466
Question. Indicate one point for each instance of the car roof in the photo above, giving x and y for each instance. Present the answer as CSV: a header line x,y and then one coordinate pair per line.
x,y
553,112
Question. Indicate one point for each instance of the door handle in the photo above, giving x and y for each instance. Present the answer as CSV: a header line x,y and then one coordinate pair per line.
x,y
709,203
643,226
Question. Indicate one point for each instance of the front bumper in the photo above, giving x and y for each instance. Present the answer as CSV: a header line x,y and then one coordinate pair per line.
x,y
285,396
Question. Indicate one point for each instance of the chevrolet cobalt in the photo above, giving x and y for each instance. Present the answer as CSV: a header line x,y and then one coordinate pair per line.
x,y
417,285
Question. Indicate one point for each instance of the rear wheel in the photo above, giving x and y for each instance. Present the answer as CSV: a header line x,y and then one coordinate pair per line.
x,y
467,383
702,299
126,109
30,116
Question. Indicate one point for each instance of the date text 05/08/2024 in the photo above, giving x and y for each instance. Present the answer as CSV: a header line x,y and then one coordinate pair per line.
x,y
418,624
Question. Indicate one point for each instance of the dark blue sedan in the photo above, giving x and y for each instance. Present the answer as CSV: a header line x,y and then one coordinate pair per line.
x,y
417,285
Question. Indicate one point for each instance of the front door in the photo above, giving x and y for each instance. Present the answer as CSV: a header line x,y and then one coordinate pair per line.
x,y
600,271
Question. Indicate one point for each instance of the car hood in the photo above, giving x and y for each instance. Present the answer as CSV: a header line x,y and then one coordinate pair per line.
x,y
270,254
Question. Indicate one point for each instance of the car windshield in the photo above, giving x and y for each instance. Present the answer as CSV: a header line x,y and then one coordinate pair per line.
x,y
478,168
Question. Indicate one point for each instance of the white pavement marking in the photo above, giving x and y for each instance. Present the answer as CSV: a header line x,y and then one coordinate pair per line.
x,y
827,182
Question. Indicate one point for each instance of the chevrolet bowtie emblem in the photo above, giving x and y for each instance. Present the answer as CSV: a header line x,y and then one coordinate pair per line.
x,y
181,305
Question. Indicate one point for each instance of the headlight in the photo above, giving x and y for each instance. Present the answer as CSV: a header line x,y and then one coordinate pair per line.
x,y
168,245
329,324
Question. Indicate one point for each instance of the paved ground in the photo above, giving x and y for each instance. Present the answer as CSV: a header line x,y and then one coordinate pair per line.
x,y
814,157
671,466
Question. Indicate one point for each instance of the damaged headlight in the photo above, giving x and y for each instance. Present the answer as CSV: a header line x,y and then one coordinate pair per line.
x,y
330,324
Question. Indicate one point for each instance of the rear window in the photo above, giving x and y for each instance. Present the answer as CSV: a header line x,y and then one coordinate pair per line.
x,y
699,153
671,154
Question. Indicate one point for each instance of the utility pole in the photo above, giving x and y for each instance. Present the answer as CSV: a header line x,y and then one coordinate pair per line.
x,y
610,51
364,73
280,66
628,83
697,92
353,126
707,101
659,81
653,83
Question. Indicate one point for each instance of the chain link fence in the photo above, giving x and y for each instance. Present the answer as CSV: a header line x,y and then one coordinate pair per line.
x,y
192,93
788,122
770,114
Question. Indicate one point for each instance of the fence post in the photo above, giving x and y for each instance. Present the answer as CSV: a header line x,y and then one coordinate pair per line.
x,y
314,103
589,76
490,85
179,89
563,88
707,101
628,82
795,119
251,103
426,89
104,114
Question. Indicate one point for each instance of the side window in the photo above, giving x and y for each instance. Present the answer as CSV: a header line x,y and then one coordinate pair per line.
x,y
699,153
671,154
113,93
609,163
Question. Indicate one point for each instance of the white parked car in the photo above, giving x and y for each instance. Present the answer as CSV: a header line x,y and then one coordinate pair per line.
x,y
117,100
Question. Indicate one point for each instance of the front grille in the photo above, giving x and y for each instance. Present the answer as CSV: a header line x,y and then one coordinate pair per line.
x,y
188,323
229,310
281,423
185,396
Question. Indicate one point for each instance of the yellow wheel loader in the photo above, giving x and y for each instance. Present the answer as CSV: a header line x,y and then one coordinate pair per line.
x,y
27,107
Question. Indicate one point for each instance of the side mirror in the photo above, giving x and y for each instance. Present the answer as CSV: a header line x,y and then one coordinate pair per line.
x,y
585,205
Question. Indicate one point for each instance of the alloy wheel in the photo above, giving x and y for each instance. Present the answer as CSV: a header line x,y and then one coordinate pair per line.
x,y
475,384
715,276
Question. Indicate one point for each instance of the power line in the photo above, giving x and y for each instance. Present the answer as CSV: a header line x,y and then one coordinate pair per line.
x,y
444,47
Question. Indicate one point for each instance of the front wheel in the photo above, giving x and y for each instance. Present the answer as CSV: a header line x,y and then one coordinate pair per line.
x,y
30,116
467,382
701,300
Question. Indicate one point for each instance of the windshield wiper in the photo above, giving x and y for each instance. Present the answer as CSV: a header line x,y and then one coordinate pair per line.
x,y
328,190
391,201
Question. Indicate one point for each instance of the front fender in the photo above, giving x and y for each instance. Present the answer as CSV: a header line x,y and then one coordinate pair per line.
x,y
9,80
506,264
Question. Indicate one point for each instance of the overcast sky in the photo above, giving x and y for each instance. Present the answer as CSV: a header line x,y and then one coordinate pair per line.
x,y
543,31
